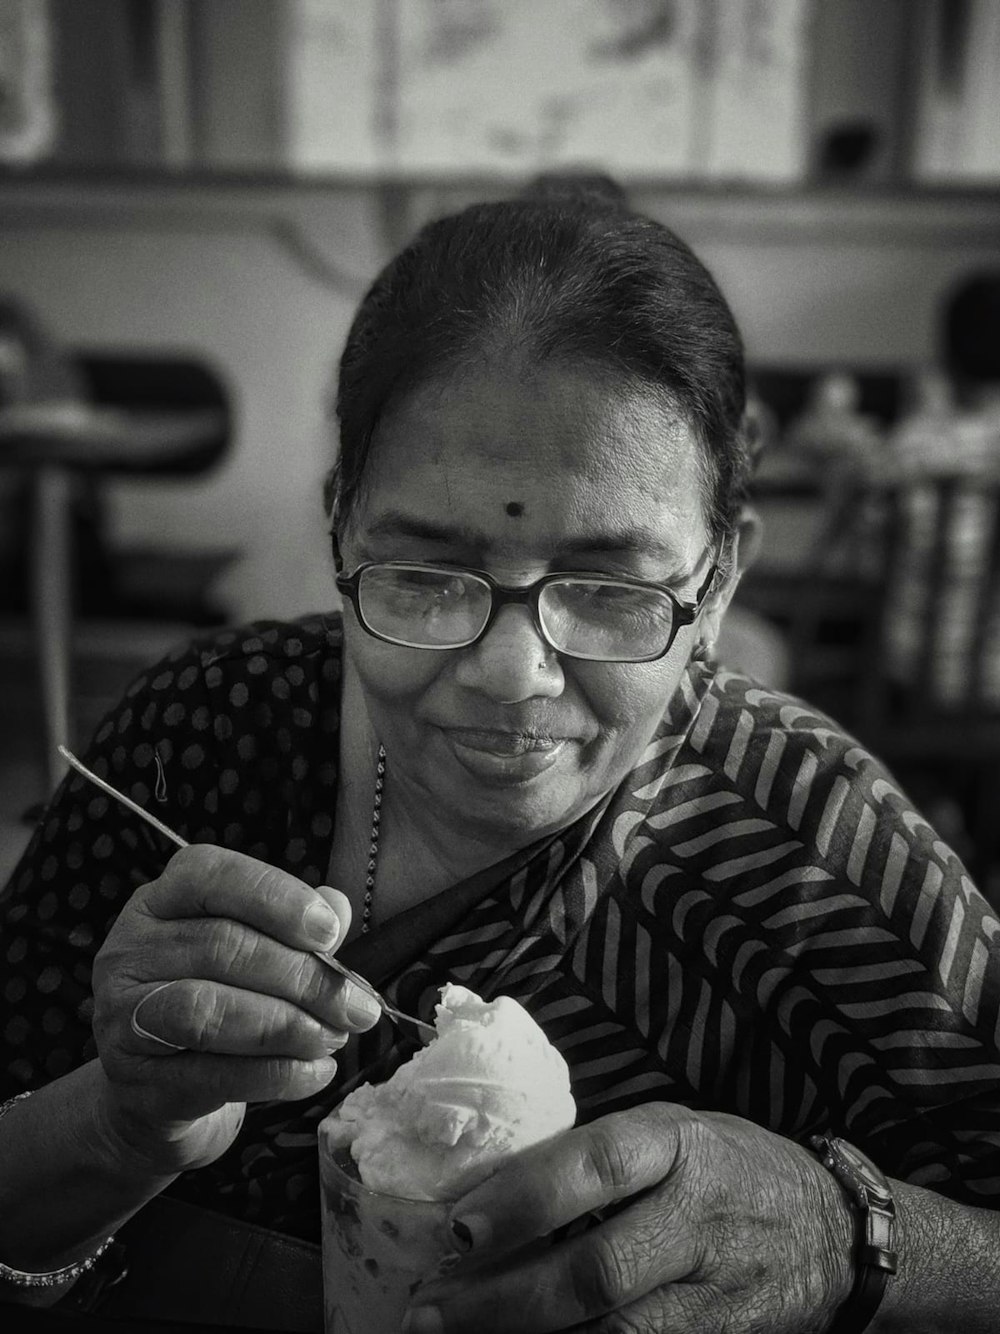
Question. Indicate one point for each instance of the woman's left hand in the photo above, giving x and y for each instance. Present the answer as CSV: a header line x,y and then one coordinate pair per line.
x,y
720,1225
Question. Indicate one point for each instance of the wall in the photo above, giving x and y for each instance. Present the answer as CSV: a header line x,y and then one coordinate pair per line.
x,y
260,279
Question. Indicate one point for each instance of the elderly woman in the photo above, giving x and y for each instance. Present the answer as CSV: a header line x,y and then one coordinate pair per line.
x,y
516,766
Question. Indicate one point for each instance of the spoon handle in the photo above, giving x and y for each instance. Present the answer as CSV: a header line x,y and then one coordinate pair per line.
x,y
167,832
133,806
365,985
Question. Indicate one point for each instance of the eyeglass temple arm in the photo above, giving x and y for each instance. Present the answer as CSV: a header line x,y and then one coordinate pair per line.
x,y
709,579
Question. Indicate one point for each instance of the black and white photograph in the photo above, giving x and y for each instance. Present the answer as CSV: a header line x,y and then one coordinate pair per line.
x,y
499,666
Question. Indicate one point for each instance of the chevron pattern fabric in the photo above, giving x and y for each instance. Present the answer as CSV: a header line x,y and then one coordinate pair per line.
x,y
756,922
761,924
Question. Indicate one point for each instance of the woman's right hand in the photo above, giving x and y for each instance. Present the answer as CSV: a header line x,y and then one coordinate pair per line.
x,y
215,959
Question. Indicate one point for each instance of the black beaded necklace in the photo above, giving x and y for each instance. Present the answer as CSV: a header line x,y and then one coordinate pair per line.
x,y
366,911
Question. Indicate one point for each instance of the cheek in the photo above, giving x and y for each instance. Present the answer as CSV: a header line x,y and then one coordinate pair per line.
x,y
628,700
387,672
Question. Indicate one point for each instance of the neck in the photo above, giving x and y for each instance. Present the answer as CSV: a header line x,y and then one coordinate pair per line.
x,y
420,840
423,849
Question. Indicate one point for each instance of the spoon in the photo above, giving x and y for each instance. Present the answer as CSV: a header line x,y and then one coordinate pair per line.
x,y
330,960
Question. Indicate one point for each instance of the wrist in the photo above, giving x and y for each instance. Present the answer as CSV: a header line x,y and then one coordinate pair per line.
x,y
122,1143
138,1145
839,1240
63,1189
873,1246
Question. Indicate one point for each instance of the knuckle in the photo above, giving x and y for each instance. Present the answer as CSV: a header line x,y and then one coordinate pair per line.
x,y
602,1278
209,872
267,883
198,862
668,1309
199,1011
305,979
698,1304
610,1160
231,947
279,1025
290,1078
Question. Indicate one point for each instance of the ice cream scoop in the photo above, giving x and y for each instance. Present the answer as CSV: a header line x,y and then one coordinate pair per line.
x,y
489,1085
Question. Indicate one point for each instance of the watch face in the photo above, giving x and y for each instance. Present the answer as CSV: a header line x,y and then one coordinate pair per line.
x,y
861,1168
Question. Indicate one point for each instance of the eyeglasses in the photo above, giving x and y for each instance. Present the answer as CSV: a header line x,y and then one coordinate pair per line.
x,y
584,615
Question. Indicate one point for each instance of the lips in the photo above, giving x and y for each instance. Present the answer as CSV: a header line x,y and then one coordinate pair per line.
x,y
503,743
504,758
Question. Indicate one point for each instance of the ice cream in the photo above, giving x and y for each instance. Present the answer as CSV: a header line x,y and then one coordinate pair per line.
x,y
489,1085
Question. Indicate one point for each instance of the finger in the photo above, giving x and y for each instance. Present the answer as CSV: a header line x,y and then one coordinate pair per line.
x,y
565,1285
579,1172
207,881
144,1033
226,951
341,905
192,1084
194,1014
682,1308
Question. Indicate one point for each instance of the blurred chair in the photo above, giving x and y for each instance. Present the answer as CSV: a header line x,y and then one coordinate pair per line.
x,y
919,681
53,433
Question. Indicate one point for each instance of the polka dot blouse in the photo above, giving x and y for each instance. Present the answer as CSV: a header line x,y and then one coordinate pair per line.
x,y
230,740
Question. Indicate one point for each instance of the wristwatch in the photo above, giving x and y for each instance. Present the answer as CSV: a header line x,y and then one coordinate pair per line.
x,y
875,1252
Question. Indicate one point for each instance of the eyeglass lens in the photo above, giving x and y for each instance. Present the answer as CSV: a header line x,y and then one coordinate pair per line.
x,y
425,608
428,608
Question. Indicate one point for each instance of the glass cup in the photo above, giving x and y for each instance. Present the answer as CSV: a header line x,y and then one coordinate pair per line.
x,y
377,1249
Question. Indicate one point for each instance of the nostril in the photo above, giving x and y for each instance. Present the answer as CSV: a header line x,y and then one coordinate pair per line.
x,y
512,661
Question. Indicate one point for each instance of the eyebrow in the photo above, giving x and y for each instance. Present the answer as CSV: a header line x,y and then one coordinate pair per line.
x,y
624,541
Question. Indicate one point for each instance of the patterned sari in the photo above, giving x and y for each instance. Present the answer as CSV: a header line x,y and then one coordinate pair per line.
x,y
755,921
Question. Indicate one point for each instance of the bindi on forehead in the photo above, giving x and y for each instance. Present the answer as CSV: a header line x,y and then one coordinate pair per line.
x,y
514,508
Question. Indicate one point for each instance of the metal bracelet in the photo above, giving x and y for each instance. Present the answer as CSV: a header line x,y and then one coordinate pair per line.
x,y
53,1277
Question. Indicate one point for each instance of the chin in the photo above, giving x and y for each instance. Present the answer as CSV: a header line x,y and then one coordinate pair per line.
x,y
513,826
513,813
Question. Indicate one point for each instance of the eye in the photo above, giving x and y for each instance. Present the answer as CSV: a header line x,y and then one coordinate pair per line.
x,y
619,602
436,584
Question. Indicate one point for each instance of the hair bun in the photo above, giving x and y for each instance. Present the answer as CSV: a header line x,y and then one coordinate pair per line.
x,y
581,188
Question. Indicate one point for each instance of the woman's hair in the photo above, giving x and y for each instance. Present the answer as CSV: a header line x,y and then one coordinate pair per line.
x,y
565,273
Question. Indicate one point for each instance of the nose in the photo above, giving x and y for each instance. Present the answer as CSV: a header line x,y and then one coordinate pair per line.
x,y
512,662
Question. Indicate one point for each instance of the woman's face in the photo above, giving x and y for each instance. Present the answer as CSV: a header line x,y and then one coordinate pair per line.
x,y
519,471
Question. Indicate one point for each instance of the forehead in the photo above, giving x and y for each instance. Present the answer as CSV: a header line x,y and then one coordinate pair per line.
x,y
552,451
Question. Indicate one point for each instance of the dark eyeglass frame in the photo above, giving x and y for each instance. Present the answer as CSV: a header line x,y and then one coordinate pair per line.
x,y
528,595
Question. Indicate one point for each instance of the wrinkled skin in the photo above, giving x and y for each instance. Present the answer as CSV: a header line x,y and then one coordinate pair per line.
x,y
259,1014
710,1224
521,469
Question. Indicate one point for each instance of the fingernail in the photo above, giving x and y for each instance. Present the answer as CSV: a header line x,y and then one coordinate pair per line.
x,y
423,1320
321,924
361,1008
470,1232
333,1038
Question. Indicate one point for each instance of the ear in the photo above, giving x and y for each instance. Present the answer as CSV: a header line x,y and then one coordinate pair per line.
x,y
338,560
744,547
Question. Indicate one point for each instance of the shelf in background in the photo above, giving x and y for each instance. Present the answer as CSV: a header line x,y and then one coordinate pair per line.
x,y
307,217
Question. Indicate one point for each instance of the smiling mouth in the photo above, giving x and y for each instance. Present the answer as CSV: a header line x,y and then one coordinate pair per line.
x,y
506,744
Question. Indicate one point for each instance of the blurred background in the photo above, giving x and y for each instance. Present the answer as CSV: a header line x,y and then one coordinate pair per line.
x,y
194,194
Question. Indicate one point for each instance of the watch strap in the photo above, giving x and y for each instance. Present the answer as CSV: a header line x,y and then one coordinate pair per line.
x,y
875,1258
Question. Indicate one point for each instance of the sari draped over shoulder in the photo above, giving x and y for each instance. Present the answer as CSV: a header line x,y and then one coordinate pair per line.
x,y
754,921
